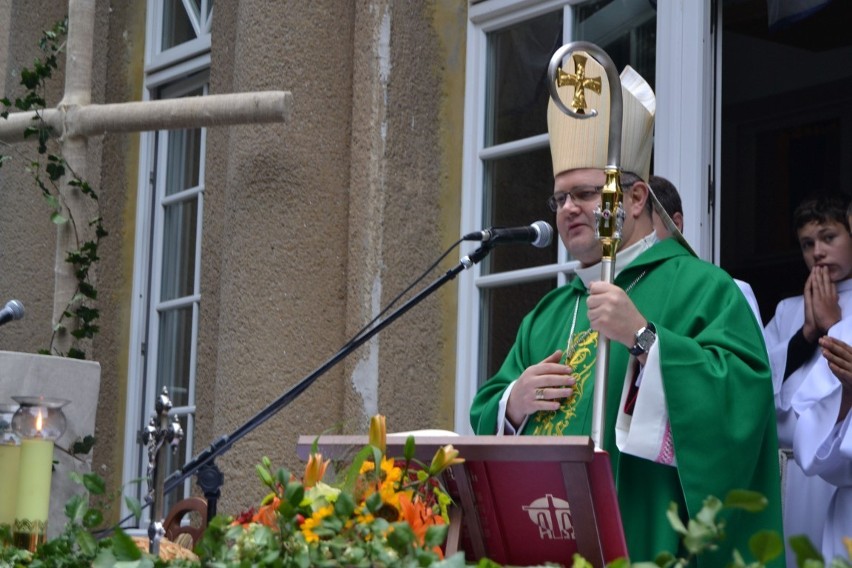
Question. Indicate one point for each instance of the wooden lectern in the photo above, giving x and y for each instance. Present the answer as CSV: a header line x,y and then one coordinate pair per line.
x,y
520,500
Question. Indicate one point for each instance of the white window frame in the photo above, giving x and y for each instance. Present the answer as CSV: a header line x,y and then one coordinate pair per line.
x,y
193,59
685,85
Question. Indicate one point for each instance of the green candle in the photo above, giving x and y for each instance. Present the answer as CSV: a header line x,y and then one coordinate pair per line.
x,y
10,456
33,506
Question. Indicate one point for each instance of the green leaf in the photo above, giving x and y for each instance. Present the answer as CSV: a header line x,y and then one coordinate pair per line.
x,y
93,519
804,549
94,484
344,506
674,519
294,493
751,501
123,546
374,503
105,559
134,505
765,546
709,510
84,446
58,219
580,562
436,535
401,536
75,353
75,508
408,451
87,543
698,537
265,476
354,469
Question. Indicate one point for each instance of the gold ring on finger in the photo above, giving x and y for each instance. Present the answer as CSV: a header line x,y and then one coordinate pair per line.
x,y
539,394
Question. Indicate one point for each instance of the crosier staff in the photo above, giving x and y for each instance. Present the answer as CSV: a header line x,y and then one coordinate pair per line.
x,y
609,216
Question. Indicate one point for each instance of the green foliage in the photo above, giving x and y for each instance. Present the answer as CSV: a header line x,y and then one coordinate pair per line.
x,y
48,171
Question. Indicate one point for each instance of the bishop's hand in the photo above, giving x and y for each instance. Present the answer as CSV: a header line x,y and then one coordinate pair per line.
x,y
540,387
613,314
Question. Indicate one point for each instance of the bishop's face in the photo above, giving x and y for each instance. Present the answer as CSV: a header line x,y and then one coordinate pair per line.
x,y
827,244
575,219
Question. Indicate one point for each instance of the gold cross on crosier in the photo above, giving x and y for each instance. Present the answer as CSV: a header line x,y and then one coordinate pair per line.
x,y
580,83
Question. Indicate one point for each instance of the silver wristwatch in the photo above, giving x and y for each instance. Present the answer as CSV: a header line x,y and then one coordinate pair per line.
x,y
643,339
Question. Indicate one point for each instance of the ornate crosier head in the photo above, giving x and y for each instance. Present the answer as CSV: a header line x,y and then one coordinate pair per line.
x,y
582,140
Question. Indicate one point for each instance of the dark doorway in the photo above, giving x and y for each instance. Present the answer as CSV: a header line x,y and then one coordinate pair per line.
x,y
786,134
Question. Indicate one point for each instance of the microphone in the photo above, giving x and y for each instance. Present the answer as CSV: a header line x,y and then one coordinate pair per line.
x,y
538,235
13,310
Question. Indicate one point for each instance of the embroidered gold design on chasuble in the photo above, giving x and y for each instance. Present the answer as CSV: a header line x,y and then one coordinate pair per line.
x,y
580,355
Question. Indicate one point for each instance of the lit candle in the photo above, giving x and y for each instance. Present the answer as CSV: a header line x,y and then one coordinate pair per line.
x,y
33,505
38,422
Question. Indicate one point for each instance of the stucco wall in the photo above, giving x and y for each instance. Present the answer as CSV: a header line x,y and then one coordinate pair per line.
x,y
309,227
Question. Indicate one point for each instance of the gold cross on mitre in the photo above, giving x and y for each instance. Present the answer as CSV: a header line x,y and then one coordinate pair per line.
x,y
580,83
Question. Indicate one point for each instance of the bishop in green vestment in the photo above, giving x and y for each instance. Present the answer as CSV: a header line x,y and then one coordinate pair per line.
x,y
690,413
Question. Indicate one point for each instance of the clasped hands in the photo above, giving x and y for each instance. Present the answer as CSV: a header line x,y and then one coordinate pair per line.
x,y
541,387
822,307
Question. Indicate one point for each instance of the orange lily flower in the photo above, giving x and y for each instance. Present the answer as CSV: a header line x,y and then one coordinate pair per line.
x,y
445,457
267,514
420,517
378,432
314,470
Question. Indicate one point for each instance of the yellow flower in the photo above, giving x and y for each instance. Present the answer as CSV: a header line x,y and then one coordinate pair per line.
x,y
445,457
378,432
314,470
316,520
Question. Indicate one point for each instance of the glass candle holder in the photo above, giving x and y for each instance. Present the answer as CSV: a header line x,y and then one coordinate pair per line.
x,y
10,457
39,422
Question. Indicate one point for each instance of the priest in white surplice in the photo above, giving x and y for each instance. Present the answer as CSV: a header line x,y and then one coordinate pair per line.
x,y
792,341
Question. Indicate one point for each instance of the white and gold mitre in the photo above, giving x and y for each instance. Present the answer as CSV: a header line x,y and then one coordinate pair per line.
x,y
582,143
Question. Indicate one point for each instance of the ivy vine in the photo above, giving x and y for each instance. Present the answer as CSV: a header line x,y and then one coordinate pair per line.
x,y
48,171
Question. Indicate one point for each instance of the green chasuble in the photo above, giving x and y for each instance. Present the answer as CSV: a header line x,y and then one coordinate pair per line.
x,y
718,390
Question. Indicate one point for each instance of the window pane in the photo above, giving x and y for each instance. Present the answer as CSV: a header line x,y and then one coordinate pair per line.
x,y
177,27
184,160
518,188
174,349
505,308
179,230
625,29
518,60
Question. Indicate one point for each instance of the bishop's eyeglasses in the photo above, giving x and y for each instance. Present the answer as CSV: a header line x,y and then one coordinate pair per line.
x,y
584,194
579,195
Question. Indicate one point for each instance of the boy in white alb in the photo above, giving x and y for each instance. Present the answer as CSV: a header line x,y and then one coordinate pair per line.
x,y
793,339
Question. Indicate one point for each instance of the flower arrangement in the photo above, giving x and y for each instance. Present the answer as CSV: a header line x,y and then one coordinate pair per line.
x,y
384,512
380,511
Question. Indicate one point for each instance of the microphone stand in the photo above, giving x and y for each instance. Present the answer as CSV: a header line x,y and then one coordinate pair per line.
x,y
203,462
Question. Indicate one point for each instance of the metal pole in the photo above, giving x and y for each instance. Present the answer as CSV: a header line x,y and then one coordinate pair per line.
x,y
610,214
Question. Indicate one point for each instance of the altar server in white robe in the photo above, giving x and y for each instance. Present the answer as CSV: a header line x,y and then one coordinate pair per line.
x,y
792,341
822,442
